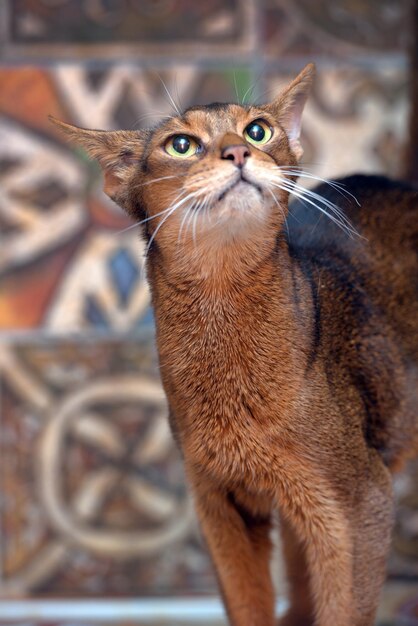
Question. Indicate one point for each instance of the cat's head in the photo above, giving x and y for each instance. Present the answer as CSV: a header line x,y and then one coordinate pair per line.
x,y
211,173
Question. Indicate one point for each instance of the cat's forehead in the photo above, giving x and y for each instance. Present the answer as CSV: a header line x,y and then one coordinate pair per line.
x,y
216,118
211,120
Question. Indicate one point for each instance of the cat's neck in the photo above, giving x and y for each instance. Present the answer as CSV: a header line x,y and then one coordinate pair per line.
x,y
219,266
248,287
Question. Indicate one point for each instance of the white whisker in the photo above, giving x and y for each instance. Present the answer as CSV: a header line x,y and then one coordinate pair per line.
x,y
154,234
330,205
281,209
156,180
196,213
188,221
124,230
160,114
290,188
236,87
170,210
183,221
339,187
301,191
174,105
250,90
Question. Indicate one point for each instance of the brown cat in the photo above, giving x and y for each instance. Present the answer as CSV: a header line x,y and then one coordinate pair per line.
x,y
288,347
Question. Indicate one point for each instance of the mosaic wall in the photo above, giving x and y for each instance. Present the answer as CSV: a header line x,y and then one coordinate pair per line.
x,y
92,495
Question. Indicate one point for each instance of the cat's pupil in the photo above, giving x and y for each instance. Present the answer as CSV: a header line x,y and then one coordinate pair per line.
x,y
181,144
256,132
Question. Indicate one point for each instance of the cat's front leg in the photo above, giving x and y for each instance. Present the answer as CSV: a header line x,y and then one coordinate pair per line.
x,y
318,523
240,548
345,539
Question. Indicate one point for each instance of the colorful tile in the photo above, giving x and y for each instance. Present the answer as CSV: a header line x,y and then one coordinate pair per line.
x,y
93,497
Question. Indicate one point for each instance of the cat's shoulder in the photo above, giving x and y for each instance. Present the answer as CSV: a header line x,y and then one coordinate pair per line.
x,y
363,202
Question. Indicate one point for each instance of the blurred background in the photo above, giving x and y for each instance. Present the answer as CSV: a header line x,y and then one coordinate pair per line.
x,y
96,525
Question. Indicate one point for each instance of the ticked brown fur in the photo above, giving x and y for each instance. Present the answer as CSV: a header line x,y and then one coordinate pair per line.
x,y
288,353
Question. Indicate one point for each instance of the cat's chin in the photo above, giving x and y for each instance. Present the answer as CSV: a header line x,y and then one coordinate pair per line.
x,y
242,204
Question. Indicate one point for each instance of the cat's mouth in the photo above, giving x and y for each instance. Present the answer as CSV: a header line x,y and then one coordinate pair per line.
x,y
241,180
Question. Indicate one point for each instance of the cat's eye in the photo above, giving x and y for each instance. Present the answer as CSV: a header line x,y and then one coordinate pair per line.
x,y
182,146
258,132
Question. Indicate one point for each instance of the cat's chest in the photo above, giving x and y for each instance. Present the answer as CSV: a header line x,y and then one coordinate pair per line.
x,y
220,363
226,387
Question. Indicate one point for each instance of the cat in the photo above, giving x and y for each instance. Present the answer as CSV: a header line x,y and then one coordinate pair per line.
x,y
288,345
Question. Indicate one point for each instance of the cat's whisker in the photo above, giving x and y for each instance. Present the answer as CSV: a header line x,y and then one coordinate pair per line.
x,y
347,229
193,223
154,180
207,212
124,230
176,88
332,183
302,174
199,176
188,221
183,221
170,97
187,213
302,192
330,205
194,216
147,219
160,114
151,217
196,213
154,234
251,88
281,209
236,87
149,182
169,211
312,194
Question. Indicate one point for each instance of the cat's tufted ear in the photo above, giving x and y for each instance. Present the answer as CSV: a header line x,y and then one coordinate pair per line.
x,y
288,107
118,153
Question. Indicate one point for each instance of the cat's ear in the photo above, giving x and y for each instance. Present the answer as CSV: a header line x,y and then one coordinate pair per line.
x,y
118,153
288,107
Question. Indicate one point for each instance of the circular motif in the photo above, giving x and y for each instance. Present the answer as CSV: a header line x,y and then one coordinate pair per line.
x,y
171,513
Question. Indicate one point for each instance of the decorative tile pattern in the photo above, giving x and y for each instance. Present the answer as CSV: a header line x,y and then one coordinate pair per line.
x,y
124,96
104,288
93,497
343,27
117,28
41,206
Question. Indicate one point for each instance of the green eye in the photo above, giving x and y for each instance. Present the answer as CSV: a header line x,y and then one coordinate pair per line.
x,y
258,132
181,146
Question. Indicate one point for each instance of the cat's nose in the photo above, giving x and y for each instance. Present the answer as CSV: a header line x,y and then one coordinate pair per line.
x,y
237,154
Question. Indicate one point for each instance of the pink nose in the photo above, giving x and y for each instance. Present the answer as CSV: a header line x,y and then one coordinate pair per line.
x,y
237,154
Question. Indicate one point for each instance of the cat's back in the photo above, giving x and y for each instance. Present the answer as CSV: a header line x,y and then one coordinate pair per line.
x,y
382,210
372,273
